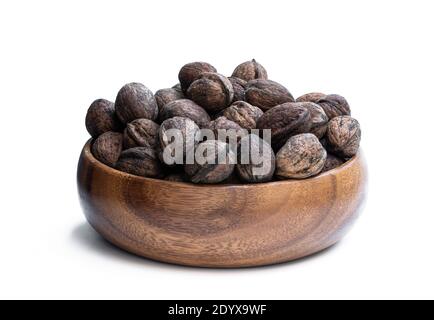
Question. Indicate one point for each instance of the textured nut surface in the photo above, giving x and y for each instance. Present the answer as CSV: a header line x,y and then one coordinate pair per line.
x,y
332,162
164,96
192,71
318,118
311,97
285,120
343,136
212,91
301,157
239,86
141,133
244,114
250,70
141,161
211,171
187,109
261,160
188,130
220,126
334,106
267,94
101,118
107,148
135,101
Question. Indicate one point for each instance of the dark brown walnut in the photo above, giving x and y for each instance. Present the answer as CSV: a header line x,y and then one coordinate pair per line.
x,y
210,170
256,160
285,120
311,97
332,162
187,109
177,87
223,128
192,71
318,118
107,148
176,177
267,94
164,96
301,157
239,86
135,101
141,133
250,70
141,161
334,106
212,91
178,137
343,136
244,114
101,118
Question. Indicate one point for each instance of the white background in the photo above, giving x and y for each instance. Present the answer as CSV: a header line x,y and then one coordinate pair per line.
x,y
56,57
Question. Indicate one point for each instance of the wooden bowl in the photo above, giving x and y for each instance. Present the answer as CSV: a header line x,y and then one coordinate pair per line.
x,y
220,226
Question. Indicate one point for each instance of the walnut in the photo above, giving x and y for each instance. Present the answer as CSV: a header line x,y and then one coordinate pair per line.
x,y
343,136
140,161
334,106
331,162
244,114
256,160
101,118
164,96
141,133
191,72
239,86
311,97
267,94
301,157
250,70
187,109
318,118
222,126
107,148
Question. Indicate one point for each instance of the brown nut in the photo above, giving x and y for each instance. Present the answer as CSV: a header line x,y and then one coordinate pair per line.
x,y
244,114
334,106
256,160
343,136
141,133
301,157
239,86
101,118
222,129
285,120
176,177
267,94
209,169
250,70
187,109
318,118
332,162
177,144
141,161
311,97
164,96
107,148
212,91
135,101
191,72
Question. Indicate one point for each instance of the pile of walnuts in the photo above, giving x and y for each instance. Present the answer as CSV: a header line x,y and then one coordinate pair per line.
x,y
309,135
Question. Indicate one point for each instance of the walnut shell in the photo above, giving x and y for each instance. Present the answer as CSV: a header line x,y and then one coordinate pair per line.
x,y
334,106
250,70
285,120
267,94
141,133
187,109
210,170
101,118
189,135
220,126
332,162
244,114
301,157
311,97
318,118
164,96
212,91
192,71
140,161
343,136
256,160
239,86
135,101
107,148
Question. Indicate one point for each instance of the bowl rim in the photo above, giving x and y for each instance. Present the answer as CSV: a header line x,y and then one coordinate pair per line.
x,y
87,153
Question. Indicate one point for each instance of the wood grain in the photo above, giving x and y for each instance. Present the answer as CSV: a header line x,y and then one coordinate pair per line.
x,y
220,226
